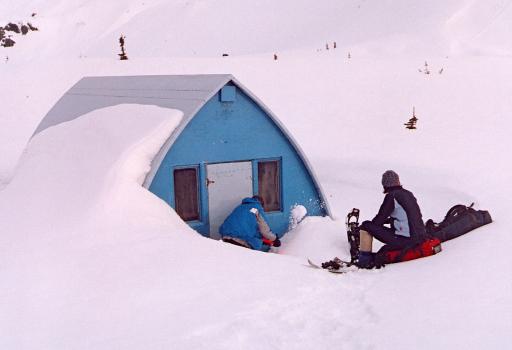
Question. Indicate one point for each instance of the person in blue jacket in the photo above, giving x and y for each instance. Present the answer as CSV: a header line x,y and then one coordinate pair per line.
x,y
400,210
247,226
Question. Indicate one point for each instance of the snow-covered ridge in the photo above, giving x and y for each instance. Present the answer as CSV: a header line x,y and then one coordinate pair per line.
x,y
156,28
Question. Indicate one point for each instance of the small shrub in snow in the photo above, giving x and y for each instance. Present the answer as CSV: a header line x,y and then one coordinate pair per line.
x,y
411,124
425,70
122,55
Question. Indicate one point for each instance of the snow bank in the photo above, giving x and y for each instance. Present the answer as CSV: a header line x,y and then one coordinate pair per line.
x,y
72,167
75,200
96,261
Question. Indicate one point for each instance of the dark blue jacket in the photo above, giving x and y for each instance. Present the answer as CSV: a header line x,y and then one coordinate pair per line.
x,y
242,224
401,208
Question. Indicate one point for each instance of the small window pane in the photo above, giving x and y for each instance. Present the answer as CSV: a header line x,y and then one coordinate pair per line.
x,y
269,185
186,193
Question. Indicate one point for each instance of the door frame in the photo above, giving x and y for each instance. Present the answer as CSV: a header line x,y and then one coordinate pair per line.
x,y
249,185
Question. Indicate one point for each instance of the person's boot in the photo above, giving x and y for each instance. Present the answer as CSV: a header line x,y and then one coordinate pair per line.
x,y
366,260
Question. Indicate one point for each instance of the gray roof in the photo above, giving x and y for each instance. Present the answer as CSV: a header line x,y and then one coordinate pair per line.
x,y
187,93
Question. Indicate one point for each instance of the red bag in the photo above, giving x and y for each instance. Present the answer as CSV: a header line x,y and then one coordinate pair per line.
x,y
427,248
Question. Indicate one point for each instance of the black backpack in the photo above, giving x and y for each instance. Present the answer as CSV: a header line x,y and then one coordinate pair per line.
x,y
458,221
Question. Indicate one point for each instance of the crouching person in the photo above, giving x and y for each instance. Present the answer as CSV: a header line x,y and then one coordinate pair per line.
x,y
401,211
247,226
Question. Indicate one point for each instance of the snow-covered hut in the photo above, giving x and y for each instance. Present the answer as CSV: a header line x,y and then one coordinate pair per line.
x,y
228,146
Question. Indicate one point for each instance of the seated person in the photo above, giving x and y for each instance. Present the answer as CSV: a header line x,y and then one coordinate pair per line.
x,y
247,226
399,209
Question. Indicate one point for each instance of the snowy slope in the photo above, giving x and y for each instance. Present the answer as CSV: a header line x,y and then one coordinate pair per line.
x,y
107,265
156,28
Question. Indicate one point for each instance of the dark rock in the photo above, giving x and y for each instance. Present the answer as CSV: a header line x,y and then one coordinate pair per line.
x,y
24,29
2,33
32,28
8,42
12,27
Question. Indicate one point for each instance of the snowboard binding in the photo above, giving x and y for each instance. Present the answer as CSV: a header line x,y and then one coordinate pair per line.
x,y
336,265
352,223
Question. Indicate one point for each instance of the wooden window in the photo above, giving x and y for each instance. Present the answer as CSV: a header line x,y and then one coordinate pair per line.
x,y
186,193
269,186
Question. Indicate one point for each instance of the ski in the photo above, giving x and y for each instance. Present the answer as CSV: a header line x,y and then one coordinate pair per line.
x,y
312,264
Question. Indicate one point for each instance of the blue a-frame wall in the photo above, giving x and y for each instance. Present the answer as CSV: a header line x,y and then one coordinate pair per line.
x,y
232,127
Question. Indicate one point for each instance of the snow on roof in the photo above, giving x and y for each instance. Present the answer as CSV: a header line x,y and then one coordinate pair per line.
x,y
99,161
187,93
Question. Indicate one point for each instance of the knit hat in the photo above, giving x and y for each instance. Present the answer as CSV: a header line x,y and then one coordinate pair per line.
x,y
390,179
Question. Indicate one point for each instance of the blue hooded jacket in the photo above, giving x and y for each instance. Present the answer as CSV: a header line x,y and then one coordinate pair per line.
x,y
242,224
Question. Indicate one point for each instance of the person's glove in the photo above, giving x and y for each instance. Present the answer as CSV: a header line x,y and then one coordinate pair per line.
x,y
276,243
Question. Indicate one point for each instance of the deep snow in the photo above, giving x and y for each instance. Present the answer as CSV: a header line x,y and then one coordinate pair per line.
x,y
105,264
